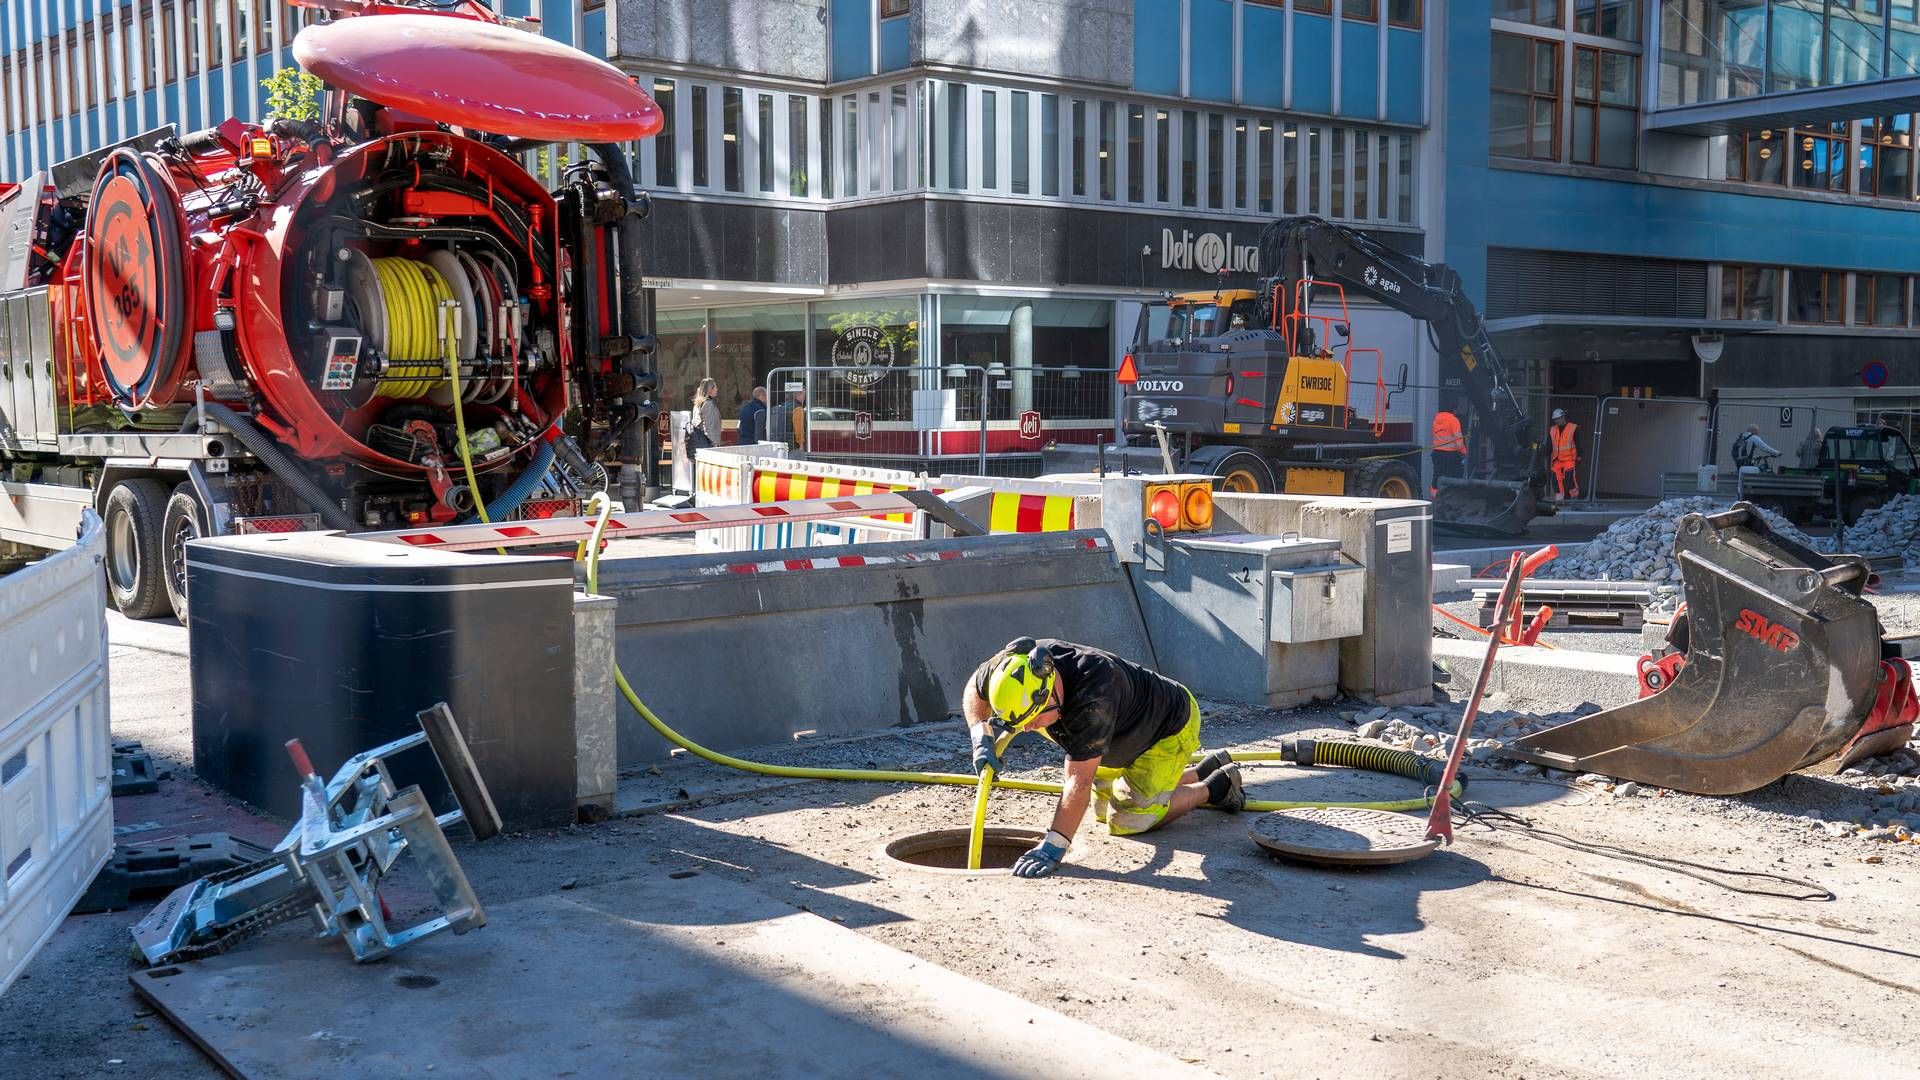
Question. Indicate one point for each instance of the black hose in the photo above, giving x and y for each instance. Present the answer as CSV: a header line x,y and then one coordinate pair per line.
x,y
1359,755
279,464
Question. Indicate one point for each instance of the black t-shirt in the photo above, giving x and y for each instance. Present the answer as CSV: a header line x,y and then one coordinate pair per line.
x,y
1110,708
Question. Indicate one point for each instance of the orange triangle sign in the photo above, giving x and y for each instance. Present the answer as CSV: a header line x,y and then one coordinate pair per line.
x,y
1127,376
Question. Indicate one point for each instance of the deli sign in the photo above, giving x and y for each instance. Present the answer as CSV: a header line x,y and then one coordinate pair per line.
x,y
1208,252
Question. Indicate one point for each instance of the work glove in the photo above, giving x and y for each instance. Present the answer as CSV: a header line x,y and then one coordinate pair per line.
x,y
1044,858
983,752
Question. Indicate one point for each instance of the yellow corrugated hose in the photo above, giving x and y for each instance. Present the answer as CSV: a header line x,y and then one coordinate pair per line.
x,y
602,508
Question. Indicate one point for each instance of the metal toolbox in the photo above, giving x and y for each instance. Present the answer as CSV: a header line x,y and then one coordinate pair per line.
x,y
1316,603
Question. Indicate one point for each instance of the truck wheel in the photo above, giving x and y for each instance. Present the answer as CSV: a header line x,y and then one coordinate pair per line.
x,y
135,579
1383,480
185,520
1244,472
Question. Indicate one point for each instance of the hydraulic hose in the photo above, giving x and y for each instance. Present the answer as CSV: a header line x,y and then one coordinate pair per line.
x,y
976,840
1401,762
277,463
517,492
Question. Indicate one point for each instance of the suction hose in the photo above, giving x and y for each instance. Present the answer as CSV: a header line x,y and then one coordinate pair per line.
x,y
279,464
1404,762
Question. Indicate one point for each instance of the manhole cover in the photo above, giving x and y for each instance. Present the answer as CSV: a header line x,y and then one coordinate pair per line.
x,y
945,850
1343,835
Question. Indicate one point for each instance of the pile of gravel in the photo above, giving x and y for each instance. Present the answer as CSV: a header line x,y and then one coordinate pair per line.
x,y
1640,548
1886,530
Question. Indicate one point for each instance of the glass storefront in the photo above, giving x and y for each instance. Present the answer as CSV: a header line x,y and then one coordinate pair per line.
x,y
1049,355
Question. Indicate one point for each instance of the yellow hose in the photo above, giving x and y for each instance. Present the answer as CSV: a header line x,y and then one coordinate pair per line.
x,y
903,776
976,840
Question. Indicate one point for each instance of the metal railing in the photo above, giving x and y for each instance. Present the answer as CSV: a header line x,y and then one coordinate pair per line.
x,y
874,414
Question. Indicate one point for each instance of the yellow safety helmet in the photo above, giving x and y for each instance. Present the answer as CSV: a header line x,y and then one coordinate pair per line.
x,y
1021,682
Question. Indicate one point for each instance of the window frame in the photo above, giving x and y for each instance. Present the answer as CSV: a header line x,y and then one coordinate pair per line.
x,y
1869,129
1596,105
1558,82
1564,17
1371,15
1741,272
1416,22
1833,301
1310,7
1866,285
893,9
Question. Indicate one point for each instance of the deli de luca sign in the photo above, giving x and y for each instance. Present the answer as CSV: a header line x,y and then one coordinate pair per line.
x,y
1207,252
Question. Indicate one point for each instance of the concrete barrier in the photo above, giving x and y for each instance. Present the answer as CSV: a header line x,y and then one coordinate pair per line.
x,y
735,653
1547,676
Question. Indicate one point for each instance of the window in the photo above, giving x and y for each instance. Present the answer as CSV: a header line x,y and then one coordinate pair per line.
x,y
1242,161
826,148
1758,157
1312,200
1163,149
765,140
1189,158
956,136
1265,150
1608,18
730,124
242,27
1820,159
1404,213
1384,146
1879,300
263,31
1321,7
158,43
218,33
193,38
1337,141
898,133
1886,156
1078,148
1108,149
1536,12
1750,293
1022,131
876,142
74,88
1526,105
1359,10
1605,118
701,123
666,158
88,70
850,149
1216,152
1403,13
1136,153
1362,190
1050,145
891,8
989,139
1817,295
1290,169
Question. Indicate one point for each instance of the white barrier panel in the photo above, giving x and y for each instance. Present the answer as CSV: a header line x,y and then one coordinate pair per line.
x,y
56,761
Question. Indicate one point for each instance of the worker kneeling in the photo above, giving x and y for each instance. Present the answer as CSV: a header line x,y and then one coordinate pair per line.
x,y
1128,734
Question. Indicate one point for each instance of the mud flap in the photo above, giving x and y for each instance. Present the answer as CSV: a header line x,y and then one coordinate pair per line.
x,y
1782,666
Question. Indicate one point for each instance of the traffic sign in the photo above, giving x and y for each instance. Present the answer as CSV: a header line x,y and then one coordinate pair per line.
x,y
1874,374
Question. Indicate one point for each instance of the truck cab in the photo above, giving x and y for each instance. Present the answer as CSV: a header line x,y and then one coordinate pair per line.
x,y
1874,464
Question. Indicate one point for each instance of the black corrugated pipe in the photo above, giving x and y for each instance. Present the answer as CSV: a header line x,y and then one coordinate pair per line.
x,y
279,464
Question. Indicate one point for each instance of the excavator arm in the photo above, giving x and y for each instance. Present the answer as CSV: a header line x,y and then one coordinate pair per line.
x,y
1302,249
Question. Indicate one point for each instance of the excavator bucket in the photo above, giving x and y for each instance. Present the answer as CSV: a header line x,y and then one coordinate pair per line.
x,y
1783,664
1485,507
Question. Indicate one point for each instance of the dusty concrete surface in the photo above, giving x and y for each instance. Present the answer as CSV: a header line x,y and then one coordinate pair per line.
x,y
1501,956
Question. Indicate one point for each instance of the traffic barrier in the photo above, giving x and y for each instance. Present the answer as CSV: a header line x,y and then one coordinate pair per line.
x,y
1023,506
746,653
56,763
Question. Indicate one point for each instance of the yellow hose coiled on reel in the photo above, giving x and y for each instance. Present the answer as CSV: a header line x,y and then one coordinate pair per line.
x,y
412,293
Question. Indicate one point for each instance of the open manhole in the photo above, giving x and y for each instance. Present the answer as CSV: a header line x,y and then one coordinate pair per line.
x,y
945,850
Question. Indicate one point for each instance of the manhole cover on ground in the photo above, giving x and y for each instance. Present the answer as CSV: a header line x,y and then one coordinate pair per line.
x,y
945,850
1344,835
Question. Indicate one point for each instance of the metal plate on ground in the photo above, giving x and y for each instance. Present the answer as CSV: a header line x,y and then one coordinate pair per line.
x,y
1342,835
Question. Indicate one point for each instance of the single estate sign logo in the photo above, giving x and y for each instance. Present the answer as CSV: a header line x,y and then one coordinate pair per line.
x,y
865,352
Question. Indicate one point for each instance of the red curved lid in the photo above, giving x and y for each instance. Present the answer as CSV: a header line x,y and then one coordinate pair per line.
x,y
479,75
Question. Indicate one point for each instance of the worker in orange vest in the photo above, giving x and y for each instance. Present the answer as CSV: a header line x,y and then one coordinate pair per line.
x,y
1566,457
1449,445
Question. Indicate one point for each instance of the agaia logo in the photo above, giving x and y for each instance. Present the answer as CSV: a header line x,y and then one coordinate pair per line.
x,y
1375,280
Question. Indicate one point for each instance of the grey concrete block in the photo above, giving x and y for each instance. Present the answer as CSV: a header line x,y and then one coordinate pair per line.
x,y
1447,576
1552,678
595,731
